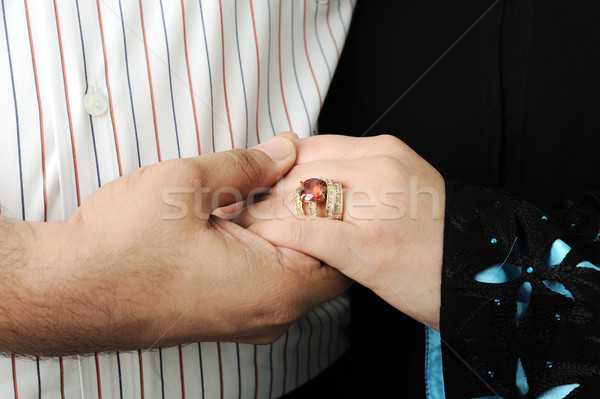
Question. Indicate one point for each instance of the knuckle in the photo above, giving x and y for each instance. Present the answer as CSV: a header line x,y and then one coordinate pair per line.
x,y
297,232
380,236
144,176
388,141
180,170
145,172
247,164
284,206
151,177
387,164
149,174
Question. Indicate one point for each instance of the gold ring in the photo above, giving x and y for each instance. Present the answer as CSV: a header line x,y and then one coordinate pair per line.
x,y
317,190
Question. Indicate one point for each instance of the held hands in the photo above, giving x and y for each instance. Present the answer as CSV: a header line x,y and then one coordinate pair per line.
x,y
390,238
144,262
147,260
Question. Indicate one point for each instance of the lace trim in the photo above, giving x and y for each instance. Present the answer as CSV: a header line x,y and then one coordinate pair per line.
x,y
520,296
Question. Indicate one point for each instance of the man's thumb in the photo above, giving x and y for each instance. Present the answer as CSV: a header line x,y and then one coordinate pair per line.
x,y
236,173
279,149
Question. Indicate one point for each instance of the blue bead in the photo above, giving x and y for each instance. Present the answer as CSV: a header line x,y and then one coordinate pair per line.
x,y
549,364
497,302
557,316
530,269
573,225
491,374
494,241
544,218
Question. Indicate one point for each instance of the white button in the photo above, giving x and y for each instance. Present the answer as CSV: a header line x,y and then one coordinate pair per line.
x,y
95,103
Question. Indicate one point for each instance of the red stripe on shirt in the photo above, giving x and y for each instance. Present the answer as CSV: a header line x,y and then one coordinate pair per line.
x,y
224,75
141,373
258,66
110,101
62,61
98,375
337,50
280,76
37,90
62,377
187,63
150,83
308,57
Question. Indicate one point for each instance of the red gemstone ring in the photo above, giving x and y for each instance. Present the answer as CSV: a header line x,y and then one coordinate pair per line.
x,y
317,190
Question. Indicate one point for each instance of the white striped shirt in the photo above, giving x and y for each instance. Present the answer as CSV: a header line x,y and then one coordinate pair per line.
x,y
180,78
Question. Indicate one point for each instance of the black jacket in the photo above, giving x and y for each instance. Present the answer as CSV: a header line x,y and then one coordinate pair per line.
x,y
501,94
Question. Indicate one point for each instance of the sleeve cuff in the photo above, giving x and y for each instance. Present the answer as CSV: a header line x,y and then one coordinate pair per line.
x,y
513,278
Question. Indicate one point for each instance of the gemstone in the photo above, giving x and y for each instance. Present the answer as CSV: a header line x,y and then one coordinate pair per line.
x,y
313,190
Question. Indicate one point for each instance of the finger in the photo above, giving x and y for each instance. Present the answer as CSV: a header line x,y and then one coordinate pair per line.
x,y
230,176
309,280
288,135
230,212
277,207
350,173
325,282
328,240
332,146
355,177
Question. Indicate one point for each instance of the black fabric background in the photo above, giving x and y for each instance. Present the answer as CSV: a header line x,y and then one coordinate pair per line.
x,y
514,104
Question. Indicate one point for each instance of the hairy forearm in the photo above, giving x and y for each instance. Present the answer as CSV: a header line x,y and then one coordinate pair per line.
x,y
55,299
13,255
17,315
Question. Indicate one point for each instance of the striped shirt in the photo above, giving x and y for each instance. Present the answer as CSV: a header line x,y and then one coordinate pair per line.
x,y
94,89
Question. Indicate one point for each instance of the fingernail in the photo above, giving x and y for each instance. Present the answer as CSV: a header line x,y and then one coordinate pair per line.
x,y
288,135
277,148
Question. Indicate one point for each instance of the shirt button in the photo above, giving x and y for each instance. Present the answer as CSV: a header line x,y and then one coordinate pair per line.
x,y
95,103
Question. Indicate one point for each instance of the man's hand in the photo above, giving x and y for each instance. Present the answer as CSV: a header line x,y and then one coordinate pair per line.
x,y
391,236
144,262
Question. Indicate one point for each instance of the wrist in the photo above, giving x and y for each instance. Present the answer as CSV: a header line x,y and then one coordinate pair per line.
x,y
76,294
32,315
52,249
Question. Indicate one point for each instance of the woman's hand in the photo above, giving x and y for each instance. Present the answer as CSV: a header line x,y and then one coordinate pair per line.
x,y
391,236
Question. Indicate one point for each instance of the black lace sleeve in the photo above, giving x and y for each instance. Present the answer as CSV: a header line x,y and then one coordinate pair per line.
x,y
520,312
